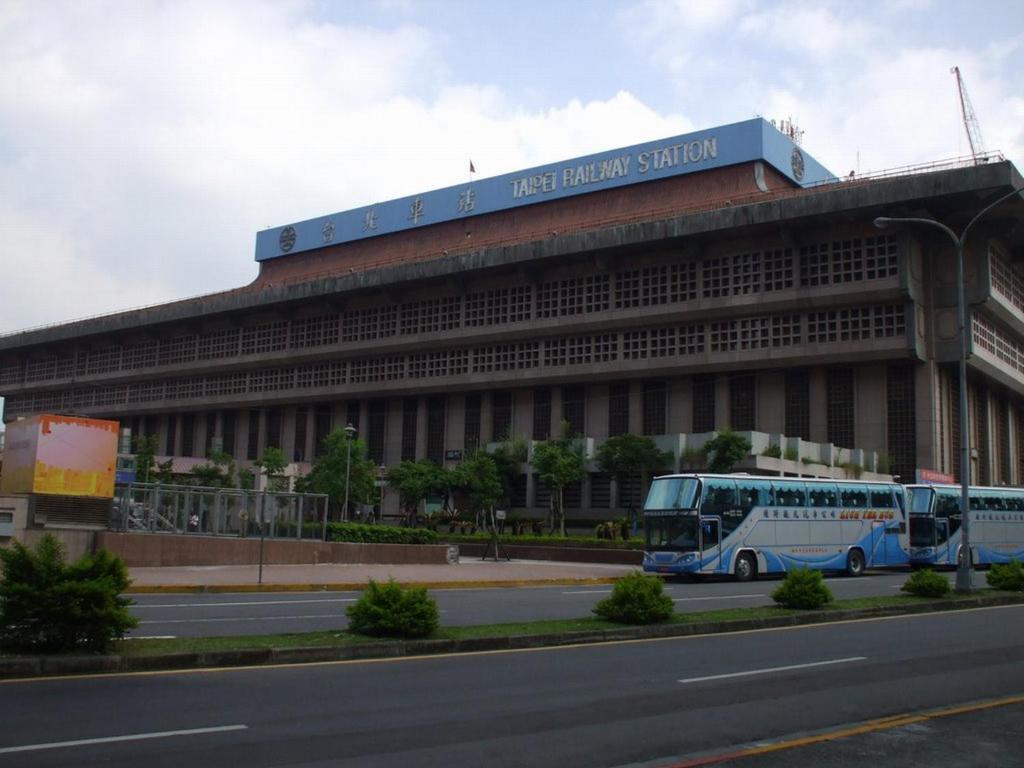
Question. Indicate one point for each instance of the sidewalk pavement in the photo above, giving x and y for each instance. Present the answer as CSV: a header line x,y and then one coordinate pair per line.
x,y
468,572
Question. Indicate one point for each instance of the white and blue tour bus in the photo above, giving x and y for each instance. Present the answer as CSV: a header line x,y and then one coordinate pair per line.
x,y
744,526
996,524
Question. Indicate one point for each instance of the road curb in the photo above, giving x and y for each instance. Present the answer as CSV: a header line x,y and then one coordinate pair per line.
x,y
358,586
27,667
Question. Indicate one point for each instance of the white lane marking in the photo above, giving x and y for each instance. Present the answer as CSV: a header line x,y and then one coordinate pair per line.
x,y
129,737
243,618
245,602
769,670
716,597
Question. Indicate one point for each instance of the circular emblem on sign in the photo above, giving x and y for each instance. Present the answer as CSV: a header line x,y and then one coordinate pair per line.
x,y
797,162
328,231
287,238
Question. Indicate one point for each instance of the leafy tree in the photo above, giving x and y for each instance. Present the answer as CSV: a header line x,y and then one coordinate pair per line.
x,y
246,479
558,463
331,471
145,447
480,482
164,472
631,455
272,462
725,450
47,605
418,480
508,458
218,472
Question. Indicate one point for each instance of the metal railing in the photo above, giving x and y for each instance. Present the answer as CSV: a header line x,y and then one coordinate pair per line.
x,y
184,509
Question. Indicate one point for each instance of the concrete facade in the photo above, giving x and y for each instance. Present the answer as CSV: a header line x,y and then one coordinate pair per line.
x,y
668,307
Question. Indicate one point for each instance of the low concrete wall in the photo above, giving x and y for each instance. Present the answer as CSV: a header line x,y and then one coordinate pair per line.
x,y
562,554
147,549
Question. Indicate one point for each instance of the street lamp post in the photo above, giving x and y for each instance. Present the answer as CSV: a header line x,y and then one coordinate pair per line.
x,y
350,432
964,572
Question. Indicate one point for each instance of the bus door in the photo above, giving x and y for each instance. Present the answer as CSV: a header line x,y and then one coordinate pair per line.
x,y
710,543
878,544
941,540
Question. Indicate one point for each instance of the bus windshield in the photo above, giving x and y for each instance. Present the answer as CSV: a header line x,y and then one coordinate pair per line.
x,y
676,533
673,493
920,501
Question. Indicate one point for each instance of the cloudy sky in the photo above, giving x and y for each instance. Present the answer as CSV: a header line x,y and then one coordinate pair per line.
x,y
143,144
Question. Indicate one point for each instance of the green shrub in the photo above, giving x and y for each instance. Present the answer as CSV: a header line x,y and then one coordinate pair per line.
x,y
1008,576
926,583
389,610
802,588
636,599
792,454
379,534
772,452
49,606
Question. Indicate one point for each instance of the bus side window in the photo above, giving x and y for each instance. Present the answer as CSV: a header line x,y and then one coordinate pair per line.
x,y
881,496
719,496
853,496
822,495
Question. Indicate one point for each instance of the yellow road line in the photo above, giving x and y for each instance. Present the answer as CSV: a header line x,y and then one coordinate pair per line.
x,y
869,726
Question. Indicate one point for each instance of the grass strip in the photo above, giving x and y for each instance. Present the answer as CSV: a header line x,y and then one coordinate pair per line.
x,y
340,637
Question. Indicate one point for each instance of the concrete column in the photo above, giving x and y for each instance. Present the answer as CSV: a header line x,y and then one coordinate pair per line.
x,y
818,386
455,422
597,411
486,419
771,402
392,433
522,413
636,408
927,415
421,428
722,415
869,403
288,432
556,412
680,405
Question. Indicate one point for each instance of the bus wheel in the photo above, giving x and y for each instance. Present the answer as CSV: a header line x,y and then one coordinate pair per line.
x,y
746,567
855,563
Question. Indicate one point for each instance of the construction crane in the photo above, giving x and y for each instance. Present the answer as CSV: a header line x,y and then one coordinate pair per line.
x,y
970,121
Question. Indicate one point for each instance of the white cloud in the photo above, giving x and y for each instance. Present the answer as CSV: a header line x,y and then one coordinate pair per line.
x,y
144,145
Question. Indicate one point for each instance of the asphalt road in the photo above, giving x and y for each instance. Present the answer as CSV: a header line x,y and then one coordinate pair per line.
x,y
208,615
619,704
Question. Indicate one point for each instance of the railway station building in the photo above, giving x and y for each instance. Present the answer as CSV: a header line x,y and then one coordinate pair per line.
x,y
719,279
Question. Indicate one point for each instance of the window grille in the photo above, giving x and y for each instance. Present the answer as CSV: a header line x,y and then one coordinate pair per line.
x,y
219,344
901,421
798,405
501,416
618,408
471,424
410,414
743,403
541,414
655,395
703,404
840,407
436,418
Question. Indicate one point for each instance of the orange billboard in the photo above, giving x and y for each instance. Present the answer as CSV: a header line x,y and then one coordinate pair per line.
x,y
62,455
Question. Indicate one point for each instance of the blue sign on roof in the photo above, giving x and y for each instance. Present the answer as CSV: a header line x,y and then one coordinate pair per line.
x,y
726,145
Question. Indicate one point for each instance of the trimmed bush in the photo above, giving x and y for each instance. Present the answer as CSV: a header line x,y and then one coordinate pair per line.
x,y
926,583
802,588
1007,576
49,606
379,534
636,599
389,610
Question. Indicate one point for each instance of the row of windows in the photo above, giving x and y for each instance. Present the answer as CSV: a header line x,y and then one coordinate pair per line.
x,y
722,495
730,336
1004,280
737,275
997,342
